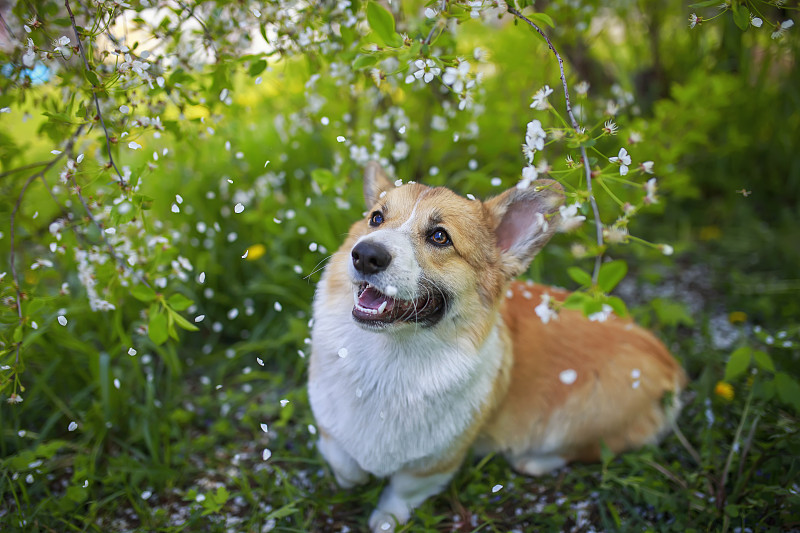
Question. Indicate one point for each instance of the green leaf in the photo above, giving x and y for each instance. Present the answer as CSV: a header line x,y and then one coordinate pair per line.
x,y
92,77
257,67
182,322
788,389
763,360
591,307
541,19
580,276
618,306
18,333
671,313
364,62
737,363
179,302
324,178
576,300
611,273
741,16
382,23
286,510
143,293
157,329
707,3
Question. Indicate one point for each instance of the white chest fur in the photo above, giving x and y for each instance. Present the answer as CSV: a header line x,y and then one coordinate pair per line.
x,y
395,400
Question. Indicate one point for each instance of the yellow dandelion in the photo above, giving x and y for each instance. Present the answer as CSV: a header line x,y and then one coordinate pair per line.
x,y
737,317
724,390
255,251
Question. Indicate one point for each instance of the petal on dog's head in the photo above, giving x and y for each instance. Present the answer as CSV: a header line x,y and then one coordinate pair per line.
x,y
375,182
525,219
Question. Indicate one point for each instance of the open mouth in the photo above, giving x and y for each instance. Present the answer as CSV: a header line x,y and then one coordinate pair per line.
x,y
373,308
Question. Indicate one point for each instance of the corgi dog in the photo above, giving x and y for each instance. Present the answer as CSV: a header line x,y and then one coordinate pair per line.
x,y
424,347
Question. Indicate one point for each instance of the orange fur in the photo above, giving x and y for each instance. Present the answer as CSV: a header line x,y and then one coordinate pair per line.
x,y
602,404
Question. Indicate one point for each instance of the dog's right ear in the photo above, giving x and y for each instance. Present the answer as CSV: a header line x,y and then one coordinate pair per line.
x,y
375,182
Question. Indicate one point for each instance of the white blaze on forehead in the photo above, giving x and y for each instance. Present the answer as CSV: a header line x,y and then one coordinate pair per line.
x,y
406,226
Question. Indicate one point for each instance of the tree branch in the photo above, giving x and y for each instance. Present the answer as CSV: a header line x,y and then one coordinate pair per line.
x,y
94,94
12,247
584,157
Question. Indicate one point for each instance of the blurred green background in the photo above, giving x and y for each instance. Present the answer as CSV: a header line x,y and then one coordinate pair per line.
x,y
716,108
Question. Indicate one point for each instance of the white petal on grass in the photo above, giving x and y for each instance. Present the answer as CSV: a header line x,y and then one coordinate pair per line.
x,y
266,454
179,198
312,429
72,426
278,307
146,495
284,403
133,145
259,361
131,351
201,278
199,318
238,208
175,208
246,253
343,352
568,377
340,138
264,428
116,383
62,320
497,488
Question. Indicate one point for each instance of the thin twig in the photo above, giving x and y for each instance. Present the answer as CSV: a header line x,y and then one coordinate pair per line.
x,y
429,38
94,94
11,33
576,127
11,234
24,167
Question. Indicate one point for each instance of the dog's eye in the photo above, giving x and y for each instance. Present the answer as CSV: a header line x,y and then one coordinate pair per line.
x,y
376,219
439,237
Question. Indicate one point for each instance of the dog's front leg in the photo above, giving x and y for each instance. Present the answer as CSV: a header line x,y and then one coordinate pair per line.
x,y
405,492
347,471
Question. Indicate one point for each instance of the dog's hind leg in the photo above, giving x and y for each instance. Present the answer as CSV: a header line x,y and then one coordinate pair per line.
x,y
537,465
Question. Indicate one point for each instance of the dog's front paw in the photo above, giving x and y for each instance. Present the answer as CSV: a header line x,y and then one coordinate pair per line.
x,y
354,478
383,522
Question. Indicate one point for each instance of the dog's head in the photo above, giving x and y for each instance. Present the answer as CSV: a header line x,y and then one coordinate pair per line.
x,y
425,254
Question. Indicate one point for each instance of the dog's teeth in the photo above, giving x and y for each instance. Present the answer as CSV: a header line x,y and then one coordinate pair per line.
x,y
382,308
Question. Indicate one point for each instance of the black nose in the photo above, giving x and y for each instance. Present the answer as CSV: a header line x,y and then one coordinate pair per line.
x,y
370,258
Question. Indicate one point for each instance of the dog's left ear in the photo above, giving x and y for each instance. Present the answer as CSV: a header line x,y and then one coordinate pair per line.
x,y
525,219
375,182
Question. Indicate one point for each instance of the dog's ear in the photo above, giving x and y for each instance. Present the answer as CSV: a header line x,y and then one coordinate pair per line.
x,y
524,220
375,182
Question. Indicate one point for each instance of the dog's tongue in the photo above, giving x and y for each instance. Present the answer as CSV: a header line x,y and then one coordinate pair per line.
x,y
372,299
